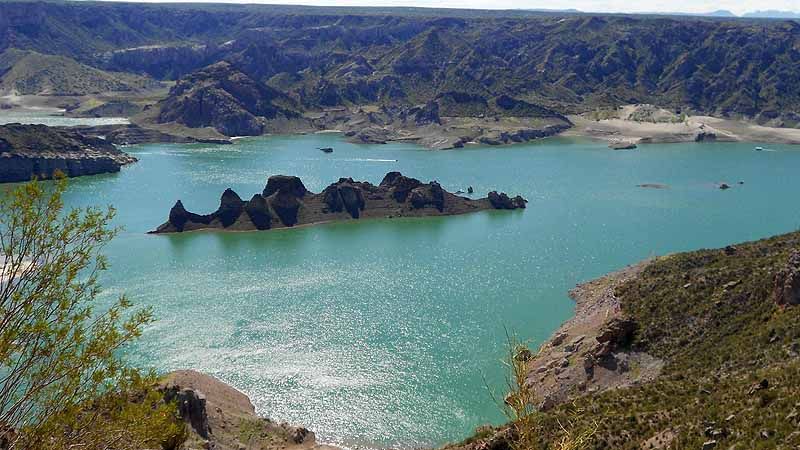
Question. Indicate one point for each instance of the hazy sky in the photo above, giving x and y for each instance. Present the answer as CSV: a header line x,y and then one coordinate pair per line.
x,y
736,6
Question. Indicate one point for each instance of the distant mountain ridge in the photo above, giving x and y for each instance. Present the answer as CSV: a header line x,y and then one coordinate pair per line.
x,y
293,60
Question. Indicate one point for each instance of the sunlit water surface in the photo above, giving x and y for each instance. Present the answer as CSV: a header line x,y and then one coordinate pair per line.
x,y
386,332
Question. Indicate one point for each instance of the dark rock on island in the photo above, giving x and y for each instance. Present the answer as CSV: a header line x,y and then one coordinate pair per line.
x,y
39,150
285,202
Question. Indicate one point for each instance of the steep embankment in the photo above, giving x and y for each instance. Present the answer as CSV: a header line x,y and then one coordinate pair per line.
x,y
38,150
692,350
285,202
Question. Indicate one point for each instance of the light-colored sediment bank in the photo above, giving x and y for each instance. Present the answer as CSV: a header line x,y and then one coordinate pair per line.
x,y
694,128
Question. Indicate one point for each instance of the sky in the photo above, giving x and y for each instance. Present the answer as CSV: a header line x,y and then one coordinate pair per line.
x,y
690,6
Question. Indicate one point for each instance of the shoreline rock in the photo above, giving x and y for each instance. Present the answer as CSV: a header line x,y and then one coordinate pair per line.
x,y
39,150
220,417
285,202
590,352
622,145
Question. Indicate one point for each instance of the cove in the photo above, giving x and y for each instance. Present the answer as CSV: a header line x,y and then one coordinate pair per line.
x,y
385,332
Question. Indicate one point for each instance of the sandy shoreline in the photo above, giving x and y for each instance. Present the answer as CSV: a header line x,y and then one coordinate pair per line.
x,y
453,131
693,129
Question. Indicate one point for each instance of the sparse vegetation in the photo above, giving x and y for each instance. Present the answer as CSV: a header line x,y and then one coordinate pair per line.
x,y
28,72
63,384
732,355
711,316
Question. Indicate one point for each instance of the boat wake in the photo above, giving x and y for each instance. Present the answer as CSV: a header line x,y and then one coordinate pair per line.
x,y
368,160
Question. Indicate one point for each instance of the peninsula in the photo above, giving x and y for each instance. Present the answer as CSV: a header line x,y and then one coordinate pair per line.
x,y
285,202
38,150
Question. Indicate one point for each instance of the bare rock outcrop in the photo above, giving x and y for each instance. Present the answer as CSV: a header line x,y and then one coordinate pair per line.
x,y
592,351
503,201
786,289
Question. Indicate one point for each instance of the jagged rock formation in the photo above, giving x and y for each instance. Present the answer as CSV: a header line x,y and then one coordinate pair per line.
x,y
503,201
38,150
219,417
285,202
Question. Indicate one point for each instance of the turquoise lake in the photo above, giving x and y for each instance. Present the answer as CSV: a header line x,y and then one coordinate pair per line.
x,y
386,333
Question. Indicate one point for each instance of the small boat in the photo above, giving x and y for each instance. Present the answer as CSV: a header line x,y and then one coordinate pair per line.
x,y
759,149
326,149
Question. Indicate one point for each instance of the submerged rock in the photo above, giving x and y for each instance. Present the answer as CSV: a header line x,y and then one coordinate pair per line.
x,y
622,145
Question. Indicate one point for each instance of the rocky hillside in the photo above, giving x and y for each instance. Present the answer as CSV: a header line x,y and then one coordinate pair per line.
x,y
464,60
38,150
697,350
227,99
29,72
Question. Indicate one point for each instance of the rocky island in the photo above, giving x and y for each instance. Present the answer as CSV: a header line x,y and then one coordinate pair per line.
x,y
38,150
285,202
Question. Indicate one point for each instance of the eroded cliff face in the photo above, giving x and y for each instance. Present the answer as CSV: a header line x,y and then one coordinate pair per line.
x,y
225,98
37,150
285,202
